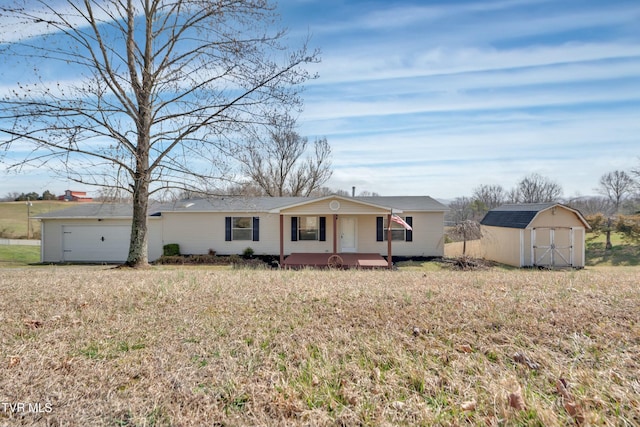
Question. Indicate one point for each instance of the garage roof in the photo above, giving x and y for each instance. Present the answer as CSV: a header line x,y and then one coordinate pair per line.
x,y
521,215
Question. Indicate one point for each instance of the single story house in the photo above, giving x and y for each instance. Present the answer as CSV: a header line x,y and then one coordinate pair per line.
x,y
536,234
284,226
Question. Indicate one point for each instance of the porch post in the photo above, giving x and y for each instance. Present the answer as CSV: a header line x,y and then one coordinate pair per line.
x,y
281,240
335,234
389,254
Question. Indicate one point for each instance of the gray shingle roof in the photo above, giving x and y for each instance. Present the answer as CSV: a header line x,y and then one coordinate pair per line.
x,y
97,210
514,215
265,204
236,204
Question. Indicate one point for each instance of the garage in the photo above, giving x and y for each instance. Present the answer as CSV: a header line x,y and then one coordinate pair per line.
x,y
86,243
549,235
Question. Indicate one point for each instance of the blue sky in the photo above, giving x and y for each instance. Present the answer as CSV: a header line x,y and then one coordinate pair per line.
x,y
436,98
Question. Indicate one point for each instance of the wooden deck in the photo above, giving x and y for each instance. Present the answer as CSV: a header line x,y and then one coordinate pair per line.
x,y
345,260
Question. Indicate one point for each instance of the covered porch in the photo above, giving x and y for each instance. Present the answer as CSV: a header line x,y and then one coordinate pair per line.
x,y
338,260
336,232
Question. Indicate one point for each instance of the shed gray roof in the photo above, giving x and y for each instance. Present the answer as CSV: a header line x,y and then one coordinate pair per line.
x,y
521,215
236,204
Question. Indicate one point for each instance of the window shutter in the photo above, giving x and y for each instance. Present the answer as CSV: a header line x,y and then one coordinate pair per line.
x,y
256,228
379,229
409,233
227,228
294,228
323,228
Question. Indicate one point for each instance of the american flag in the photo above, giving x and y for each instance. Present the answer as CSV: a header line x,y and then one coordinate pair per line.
x,y
396,218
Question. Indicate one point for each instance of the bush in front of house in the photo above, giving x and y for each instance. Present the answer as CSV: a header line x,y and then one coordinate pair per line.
x,y
171,249
247,253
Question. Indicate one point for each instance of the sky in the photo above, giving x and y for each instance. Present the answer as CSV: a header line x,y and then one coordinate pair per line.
x,y
437,98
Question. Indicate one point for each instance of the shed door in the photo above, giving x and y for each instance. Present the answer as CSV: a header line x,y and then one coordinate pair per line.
x,y
95,243
552,247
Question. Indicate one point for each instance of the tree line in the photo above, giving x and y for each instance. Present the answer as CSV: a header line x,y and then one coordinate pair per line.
x,y
23,197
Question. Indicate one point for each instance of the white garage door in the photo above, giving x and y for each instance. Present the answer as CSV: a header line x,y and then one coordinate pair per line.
x,y
96,243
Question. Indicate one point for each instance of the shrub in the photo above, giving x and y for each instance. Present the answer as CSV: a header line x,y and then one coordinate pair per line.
x,y
247,253
629,225
171,249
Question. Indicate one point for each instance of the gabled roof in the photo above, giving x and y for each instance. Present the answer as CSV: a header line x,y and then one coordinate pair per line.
x,y
239,204
521,215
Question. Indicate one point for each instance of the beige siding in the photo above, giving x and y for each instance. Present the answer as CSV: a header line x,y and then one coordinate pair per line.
x,y
501,244
428,236
456,249
314,246
505,245
155,238
322,207
196,233
559,218
555,217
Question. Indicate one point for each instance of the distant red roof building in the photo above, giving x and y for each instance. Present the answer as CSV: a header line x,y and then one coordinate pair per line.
x,y
75,196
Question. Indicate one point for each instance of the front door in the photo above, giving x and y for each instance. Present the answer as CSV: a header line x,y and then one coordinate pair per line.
x,y
348,226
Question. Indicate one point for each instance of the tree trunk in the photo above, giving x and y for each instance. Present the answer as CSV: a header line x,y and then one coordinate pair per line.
x,y
608,245
138,248
138,256
138,252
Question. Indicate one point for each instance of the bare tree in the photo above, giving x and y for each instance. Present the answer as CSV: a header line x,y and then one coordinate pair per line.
x,y
535,188
154,92
465,230
279,168
616,186
463,209
489,196
591,205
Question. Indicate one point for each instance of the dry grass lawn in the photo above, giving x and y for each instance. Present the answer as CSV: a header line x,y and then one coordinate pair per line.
x,y
89,346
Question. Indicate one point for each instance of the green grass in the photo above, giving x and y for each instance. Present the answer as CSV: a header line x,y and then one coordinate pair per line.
x,y
623,251
18,255
13,217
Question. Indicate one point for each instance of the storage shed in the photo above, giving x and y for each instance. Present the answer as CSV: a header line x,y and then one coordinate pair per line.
x,y
534,235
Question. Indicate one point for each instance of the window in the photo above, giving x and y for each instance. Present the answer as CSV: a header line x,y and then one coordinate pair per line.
x,y
398,232
241,228
308,228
